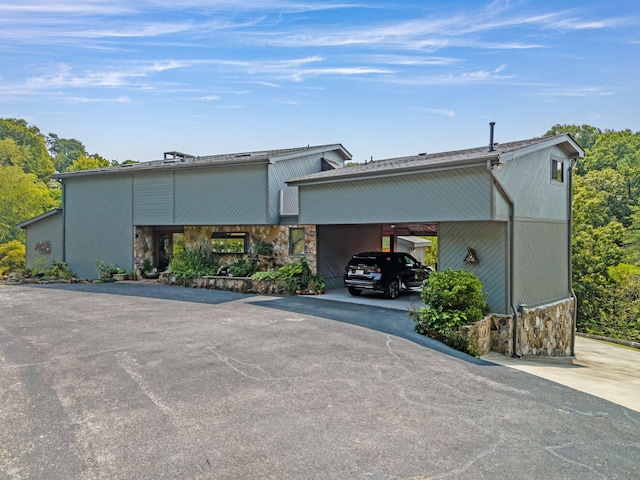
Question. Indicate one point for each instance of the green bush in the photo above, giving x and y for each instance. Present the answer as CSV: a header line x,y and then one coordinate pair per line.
x,y
60,270
192,263
12,257
264,248
271,275
106,270
295,276
242,268
453,299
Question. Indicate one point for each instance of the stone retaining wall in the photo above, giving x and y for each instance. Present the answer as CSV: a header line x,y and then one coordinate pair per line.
x,y
230,284
547,330
542,331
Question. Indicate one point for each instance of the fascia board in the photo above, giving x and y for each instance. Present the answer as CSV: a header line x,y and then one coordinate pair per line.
x,y
390,173
158,168
313,150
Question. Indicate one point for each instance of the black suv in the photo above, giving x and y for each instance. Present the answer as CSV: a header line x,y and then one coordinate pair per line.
x,y
388,272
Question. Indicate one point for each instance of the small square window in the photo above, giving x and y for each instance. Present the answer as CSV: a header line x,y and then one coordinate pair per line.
x,y
296,241
557,170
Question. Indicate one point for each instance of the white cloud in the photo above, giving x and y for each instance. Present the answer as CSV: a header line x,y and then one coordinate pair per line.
x,y
441,111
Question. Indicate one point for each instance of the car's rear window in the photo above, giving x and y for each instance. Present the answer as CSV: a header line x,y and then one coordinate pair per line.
x,y
369,261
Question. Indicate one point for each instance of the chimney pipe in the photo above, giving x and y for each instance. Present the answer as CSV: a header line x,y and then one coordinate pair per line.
x,y
491,125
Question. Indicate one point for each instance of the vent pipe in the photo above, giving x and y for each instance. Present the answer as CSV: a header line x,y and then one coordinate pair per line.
x,y
491,125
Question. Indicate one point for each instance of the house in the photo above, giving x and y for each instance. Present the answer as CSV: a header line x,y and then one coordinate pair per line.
x,y
132,213
502,211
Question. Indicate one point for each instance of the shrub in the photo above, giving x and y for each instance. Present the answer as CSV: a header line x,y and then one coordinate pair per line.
x,y
12,257
453,299
271,275
295,276
264,248
60,270
106,270
242,268
192,263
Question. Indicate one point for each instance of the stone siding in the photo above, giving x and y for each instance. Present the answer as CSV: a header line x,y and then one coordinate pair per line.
x,y
142,247
547,330
278,235
542,331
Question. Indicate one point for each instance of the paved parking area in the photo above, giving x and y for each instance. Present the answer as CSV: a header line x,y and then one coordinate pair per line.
x,y
139,381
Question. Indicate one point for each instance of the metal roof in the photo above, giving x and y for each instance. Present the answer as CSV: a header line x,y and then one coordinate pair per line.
x,y
178,160
452,159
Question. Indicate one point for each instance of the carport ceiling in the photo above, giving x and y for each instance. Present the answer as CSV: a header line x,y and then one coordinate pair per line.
x,y
418,229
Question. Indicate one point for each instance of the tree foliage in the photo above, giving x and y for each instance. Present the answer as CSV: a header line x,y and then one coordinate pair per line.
x,y
12,257
22,196
34,157
606,231
90,162
65,151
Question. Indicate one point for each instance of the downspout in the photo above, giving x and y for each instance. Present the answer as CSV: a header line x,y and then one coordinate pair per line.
x,y
64,222
510,201
574,319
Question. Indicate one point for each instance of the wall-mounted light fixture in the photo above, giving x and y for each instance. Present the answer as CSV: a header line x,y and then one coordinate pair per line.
x,y
496,165
471,257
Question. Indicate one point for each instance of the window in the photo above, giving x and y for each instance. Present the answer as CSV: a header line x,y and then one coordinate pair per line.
x,y
233,242
296,241
557,170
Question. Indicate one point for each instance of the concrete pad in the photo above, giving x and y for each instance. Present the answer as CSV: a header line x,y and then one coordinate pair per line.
x,y
405,301
603,369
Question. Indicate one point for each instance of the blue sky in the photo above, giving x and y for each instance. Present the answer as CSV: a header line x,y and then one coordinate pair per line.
x,y
384,78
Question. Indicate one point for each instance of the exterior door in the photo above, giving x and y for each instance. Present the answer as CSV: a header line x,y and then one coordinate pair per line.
x,y
167,243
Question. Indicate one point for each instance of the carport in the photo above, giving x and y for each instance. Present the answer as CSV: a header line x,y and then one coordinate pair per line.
x,y
355,208
501,211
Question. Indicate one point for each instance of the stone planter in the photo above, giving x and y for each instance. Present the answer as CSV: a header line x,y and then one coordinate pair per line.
x,y
118,277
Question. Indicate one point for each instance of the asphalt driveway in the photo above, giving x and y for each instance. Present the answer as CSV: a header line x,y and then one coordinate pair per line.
x,y
130,380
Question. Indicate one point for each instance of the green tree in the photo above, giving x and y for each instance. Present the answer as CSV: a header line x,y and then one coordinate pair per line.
x,y
22,196
613,150
64,151
88,163
600,196
632,238
595,250
36,157
585,135
12,257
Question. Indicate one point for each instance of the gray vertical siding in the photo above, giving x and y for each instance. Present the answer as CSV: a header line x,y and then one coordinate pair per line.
x,y
221,195
283,170
490,242
462,194
528,181
541,262
49,230
337,243
98,222
153,198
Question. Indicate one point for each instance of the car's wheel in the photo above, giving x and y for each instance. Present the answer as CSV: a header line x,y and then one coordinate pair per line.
x,y
393,289
354,291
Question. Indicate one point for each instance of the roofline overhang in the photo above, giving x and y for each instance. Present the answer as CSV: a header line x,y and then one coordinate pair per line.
x,y
344,153
568,144
40,217
140,168
399,171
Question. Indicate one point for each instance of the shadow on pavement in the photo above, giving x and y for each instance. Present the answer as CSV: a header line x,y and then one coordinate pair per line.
x,y
386,320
